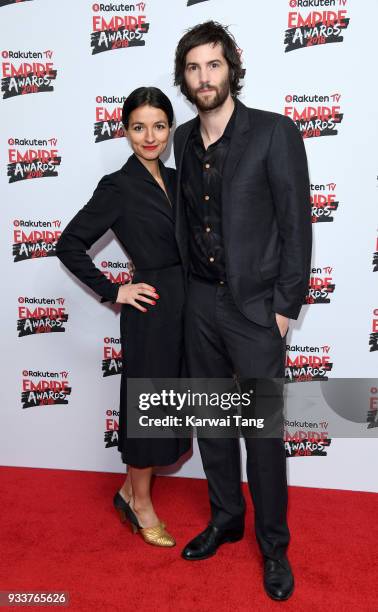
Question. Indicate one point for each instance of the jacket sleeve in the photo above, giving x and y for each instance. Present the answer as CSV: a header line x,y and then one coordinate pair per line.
x,y
289,182
88,225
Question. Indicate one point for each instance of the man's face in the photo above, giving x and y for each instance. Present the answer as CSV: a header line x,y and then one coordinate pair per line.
x,y
207,76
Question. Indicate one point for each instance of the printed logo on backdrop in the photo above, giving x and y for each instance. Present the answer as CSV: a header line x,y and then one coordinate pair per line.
x,y
375,256
35,239
324,202
108,123
111,428
314,115
20,77
320,286
6,2
309,28
306,439
32,158
373,339
306,363
44,388
41,315
112,357
127,28
372,416
117,271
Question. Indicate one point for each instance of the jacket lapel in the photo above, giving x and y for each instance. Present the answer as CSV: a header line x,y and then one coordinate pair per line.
x,y
239,140
135,168
241,135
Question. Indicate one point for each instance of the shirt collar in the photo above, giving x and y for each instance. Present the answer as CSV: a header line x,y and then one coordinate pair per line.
x,y
196,133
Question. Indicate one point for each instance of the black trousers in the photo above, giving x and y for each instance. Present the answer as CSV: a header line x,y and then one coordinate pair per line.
x,y
219,343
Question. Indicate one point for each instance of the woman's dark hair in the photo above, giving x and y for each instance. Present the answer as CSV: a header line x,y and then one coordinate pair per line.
x,y
214,33
146,95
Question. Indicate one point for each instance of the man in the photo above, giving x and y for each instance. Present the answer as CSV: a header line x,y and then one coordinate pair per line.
x,y
243,225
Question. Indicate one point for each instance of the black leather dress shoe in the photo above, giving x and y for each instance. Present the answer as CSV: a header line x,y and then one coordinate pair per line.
x,y
208,541
278,578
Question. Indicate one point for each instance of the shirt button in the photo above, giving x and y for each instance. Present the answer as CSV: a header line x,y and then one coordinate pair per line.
x,y
207,197
208,229
207,166
211,259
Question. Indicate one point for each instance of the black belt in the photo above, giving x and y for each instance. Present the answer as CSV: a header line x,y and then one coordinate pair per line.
x,y
209,281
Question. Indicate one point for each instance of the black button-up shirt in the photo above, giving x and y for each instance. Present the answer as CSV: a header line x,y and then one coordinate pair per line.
x,y
202,188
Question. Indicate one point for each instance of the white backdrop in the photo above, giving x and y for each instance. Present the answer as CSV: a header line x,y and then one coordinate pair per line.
x,y
54,114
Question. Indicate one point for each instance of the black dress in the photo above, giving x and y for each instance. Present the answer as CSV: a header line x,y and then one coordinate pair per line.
x,y
135,207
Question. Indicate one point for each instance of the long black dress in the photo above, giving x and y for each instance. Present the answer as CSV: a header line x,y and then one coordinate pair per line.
x,y
135,207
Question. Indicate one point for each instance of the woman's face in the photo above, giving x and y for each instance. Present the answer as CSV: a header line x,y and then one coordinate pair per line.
x,y
148,132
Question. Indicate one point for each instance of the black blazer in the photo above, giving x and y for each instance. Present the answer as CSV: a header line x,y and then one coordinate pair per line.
x,y
266,214
134,206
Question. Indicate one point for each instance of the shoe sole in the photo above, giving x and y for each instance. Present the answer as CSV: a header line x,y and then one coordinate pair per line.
x,y
227,541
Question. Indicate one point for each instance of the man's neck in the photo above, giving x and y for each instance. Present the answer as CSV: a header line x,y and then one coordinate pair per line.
x,y
213,122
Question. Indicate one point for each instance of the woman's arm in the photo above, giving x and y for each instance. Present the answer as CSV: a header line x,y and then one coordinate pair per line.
x,y
88,225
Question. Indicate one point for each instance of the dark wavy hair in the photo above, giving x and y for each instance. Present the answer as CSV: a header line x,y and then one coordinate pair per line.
x,y
209,32
146,95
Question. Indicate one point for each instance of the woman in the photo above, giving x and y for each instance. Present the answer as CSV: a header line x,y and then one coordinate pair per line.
x,y
136,203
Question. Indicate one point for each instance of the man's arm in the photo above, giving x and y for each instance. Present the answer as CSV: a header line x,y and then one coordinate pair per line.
x,y
289,181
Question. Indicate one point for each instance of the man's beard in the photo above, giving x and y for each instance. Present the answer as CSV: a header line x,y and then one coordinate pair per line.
x,y
213,101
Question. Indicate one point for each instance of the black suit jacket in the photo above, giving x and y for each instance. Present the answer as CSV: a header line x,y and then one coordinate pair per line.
x,y
266,214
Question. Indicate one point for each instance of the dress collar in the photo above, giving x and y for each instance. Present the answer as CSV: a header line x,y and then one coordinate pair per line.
x,y
135,167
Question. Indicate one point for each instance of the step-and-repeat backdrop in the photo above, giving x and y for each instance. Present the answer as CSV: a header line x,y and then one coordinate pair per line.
x,y
66,68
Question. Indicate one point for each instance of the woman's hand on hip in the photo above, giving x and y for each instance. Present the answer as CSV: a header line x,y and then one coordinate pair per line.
x,y
129,294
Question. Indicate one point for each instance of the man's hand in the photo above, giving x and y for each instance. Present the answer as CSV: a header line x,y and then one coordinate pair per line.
x,y
283,323
128,294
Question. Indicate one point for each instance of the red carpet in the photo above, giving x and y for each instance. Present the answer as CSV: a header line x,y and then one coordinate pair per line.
x,y
59,532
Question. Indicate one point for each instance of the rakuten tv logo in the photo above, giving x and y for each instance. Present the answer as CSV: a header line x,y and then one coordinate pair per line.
x,y
108,118
6,2
41,315
314,115
111,428
47,388
373,340
306,439
112,357
119,31
20,78
305,363
315,27
323,202
117,271
31,243
321,286
32,158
